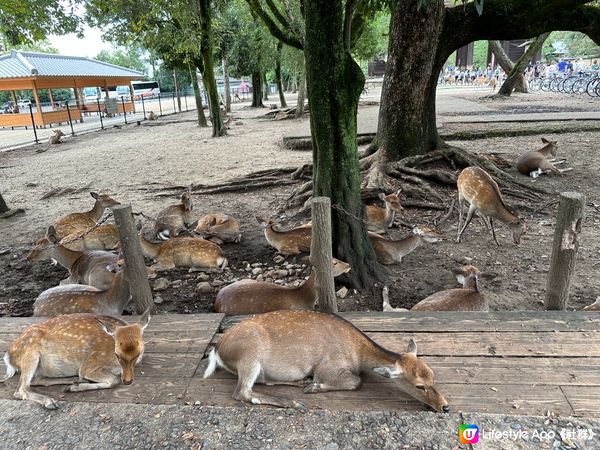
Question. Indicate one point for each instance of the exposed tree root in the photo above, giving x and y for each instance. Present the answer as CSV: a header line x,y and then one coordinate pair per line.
x,y
11,212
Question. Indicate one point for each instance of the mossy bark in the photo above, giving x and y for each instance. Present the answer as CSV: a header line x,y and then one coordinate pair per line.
x,y
197,94
508,66
278,76
226,86
257,82
265,87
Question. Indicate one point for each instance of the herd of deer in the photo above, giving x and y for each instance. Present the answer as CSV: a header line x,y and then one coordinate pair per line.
x,y
285,343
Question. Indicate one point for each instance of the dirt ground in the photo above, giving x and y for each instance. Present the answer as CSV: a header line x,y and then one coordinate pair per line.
x,y
133,162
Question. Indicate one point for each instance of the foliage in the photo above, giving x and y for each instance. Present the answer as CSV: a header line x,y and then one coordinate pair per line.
x,y
373,41
130,57
575,44
480,54
43,46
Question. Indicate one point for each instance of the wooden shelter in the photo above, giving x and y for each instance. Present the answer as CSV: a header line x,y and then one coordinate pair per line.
x,y
35,71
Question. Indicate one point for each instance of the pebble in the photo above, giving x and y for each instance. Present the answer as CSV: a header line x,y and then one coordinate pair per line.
x,y
160,284
204,287
257,271
342,292
203,277
158,299
278,259
217,283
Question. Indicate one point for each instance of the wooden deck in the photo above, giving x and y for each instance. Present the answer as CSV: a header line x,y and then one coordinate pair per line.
x,y
502,362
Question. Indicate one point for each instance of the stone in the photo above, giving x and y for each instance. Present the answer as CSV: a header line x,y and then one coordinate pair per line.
x,y
217,283
204,287
161,284
158,299
342,292
281,273
203,277
278,259
257,271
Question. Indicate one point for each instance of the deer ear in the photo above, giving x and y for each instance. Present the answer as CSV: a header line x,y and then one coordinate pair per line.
x,y
145,319
94,195
51,235
109,328
412,347
388,372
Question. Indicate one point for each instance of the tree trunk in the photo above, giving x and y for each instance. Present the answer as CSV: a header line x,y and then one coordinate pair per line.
x,y
266,87
278,76
257,90
334,83
177,89
508,66
407,123
226,85
3,206
516,74
210,83
197,94
301,94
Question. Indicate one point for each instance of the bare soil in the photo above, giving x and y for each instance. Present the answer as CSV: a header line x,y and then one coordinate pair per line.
x,y
132,163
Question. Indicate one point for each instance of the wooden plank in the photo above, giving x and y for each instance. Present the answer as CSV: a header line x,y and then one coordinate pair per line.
x,y
584,400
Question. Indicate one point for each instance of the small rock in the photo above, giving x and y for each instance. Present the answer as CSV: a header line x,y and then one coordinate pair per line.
x,y
278,259
257,271
342,292
161,284
257,264
239,122
204,287
217,283
177,283
281,273
158,299
260,278
203,277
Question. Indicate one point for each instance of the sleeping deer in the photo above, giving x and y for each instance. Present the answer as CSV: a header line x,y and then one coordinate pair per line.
x,y
78,222
287,347
257,297
477,187
389,251
87,267
535,163
184,252
100,350
378,218
80,298
104,237
290,242
175,218
219,228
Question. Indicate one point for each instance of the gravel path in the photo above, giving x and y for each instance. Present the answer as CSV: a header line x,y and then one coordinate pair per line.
x,y
24,425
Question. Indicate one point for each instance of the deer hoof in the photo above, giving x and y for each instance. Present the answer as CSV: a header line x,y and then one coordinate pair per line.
x,y
50,403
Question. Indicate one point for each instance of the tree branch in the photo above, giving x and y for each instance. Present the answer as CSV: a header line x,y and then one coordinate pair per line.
x,y
280,18
283,36
348,14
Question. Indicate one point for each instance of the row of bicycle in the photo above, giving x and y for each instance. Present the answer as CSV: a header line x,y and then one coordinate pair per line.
x,y
575,84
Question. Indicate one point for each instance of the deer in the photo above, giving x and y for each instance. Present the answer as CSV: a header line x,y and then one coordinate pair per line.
x,y
100,350
80,298
87,267
103,237
378,218
219,228
175,218
288,347
593,306
152,116
290,242
183,252
56,137
389,251
477,187
257,297
77,222
535,163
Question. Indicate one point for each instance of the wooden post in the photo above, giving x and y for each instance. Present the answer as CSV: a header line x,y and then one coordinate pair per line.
x,y
566,243
135,269
321,254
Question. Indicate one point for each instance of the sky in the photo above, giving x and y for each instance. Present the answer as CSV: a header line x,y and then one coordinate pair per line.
x,y
90,45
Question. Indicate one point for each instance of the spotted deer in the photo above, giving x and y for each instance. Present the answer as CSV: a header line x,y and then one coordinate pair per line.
x,y
80,221
100,350
103,237
290,242
389,251
378,217
288,347
56,137
257,297
477,187
80,298
87,267
175,218
535,163
219,228
184,252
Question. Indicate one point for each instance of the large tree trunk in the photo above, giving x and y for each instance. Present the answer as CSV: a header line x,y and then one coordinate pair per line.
x,y
519,83
226,85
3,206
278,76
266,87
515,77
210,83
198,95
301,94
334,83
257,90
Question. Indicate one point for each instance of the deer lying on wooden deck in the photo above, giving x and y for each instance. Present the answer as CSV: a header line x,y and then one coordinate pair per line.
x,y
104,237
175,218
287,347
78,222
389,251
477,187
80,298
99,350
378,218
184,252
89,267
219,228
290,242
257,297
536,163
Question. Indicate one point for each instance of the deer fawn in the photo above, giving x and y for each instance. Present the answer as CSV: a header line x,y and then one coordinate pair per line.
x,y
175,218
467,298
87,267
77,222
104,237
290,242
389,251
257,297
483,194
56,137
219,228
184,252
378,218
79,298
286,347
535,163
100,350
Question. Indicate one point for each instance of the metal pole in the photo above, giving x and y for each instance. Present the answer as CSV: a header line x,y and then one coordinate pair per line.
x,y
159,104
33,123
101,121
69,114
143,107
174,107
124,112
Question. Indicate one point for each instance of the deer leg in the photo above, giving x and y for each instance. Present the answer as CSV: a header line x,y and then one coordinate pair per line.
x,y
467,222
102,378
339,380
493,232
461,205
44,381
29,365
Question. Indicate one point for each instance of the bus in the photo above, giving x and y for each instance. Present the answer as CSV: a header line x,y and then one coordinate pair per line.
x,y
145,89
